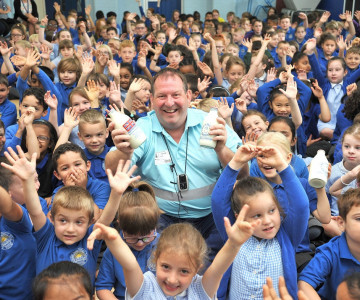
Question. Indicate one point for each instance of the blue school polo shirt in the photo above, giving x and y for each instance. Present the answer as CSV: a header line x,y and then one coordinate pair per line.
x,y
17,258
97,169
51,250
8,113
111,272
330,264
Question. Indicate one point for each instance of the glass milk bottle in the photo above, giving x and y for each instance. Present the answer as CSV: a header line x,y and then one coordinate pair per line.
x,y
206,140
318,170
137,136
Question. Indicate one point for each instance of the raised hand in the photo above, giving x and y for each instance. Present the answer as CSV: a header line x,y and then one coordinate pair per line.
x,y
325,16
131,17
29,116
71,119
271,75
57,7
101,232
141,61
341,43
203,84
302,16
316,89
92,90
173,65
120,181
291,88
88,10
243,155
115,93
272,157
51,101
136,85
18,60
4,49
252,88
351,88
241,105
242,230
224,110
32,58
45,52
205,69
114,68
19,165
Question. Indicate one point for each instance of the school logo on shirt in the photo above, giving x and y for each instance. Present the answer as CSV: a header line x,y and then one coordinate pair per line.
x,y
7,240
79,256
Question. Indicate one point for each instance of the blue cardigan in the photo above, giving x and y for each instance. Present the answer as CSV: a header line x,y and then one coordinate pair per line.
x,y
292,229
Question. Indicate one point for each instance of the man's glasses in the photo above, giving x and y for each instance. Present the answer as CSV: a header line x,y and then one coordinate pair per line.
x,y
144,239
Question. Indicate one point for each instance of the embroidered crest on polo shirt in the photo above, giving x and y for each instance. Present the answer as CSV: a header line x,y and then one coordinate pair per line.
x,y
7,240
79,256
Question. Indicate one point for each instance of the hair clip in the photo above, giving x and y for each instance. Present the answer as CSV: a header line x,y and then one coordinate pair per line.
x,y
135,189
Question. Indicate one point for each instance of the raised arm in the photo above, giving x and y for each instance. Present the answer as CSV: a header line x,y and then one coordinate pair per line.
x,y
42,40
26,171
71,120
214,58
134,277
118,183
238,234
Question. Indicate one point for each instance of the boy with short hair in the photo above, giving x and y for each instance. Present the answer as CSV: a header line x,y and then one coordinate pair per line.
x,y
285,24
71,166
174,57
8,113
352,59
127,52
65,236
33,102
111,32
93,133
339,256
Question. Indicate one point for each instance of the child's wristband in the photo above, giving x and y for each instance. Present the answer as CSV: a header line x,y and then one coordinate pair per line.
x,y
42,26
341,180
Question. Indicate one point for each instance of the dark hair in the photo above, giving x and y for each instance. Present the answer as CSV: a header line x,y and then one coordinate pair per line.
x,y
65,271
2,125
276,92
99,78
99,14
247,187
52,132
67,147
297,56
287,121
48,72
38,93
218,91
4,80
352,105
335,58
111,14
326,37
127,66
192,81
140,77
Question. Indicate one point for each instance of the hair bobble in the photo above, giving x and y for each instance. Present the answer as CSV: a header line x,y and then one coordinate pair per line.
x,y
135,189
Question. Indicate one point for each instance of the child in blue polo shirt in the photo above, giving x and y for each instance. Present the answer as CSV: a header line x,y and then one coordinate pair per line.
x,y
93,133
72,215
18,248
137,218
8,112
71,166
338,257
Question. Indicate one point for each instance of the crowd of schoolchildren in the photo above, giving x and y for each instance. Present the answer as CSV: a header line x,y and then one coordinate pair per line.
x,y
288,86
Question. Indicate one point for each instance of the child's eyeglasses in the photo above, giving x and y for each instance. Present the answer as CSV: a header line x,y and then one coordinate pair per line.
x,y
42,138
144,239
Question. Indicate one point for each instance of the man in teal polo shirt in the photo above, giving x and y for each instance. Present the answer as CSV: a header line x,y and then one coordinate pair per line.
x,y
181,172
